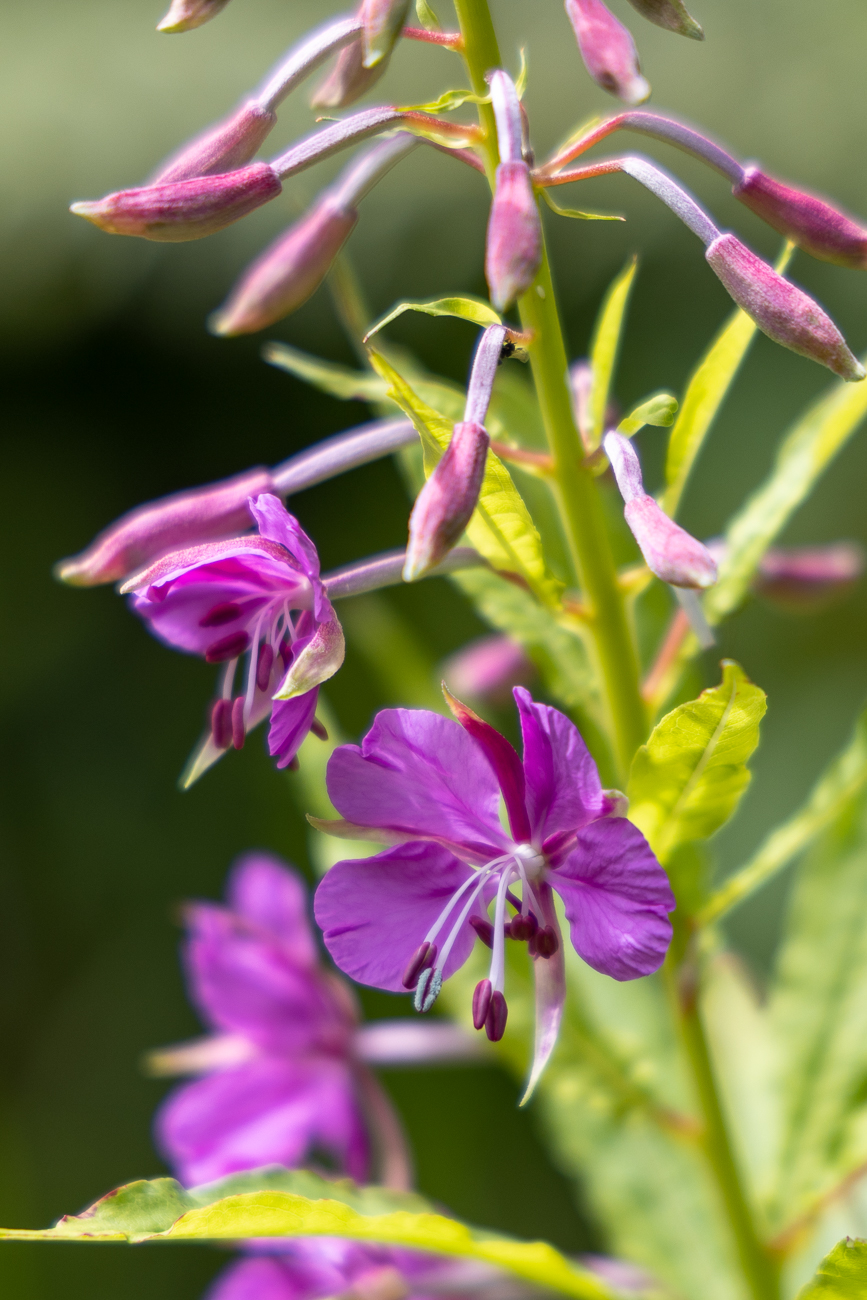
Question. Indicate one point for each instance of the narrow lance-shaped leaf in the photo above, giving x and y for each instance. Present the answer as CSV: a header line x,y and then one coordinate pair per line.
x,y
501,528
466,308
705,394
843,780
360,385
658,410
689,777
577,213
803,457
448,100
605,346
842,1274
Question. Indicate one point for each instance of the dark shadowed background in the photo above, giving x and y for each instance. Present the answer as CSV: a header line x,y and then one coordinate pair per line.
x,y
113,393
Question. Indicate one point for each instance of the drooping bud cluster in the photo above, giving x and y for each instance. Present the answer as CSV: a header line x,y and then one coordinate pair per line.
x,y
514,243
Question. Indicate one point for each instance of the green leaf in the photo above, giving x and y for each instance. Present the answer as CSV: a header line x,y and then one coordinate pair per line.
x,y
426,16
659,410
574,212
839,784
521,79
804,455
689,777
501,528
842,1274
705,394
448,100
605,346
472,309
278,1203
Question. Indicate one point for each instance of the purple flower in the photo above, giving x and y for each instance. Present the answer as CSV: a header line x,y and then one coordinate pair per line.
x,y
430,788
284,1071
254,596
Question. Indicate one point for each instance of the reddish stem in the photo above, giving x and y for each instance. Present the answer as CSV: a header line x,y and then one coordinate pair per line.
x,y
451,40
668,652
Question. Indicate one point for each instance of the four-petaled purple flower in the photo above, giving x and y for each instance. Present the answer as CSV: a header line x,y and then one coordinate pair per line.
x,y
254,596
408,917
285,1072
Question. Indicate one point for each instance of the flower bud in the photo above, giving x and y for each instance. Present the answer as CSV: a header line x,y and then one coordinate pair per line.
x,y
669,551
807,578
184,15
151,531
382,24
288,272
513,249
488,668
348,80
781,310
670,14
608,50
445,504
183,210
807,220
221,148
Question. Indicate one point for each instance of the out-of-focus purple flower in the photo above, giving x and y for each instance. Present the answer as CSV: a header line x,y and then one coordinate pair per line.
x,y
806,578
513,248
671,553
670,14
430,788
608,50
781,310
809,221
183,210
382,24
254,596
285,1070
488,668
184,15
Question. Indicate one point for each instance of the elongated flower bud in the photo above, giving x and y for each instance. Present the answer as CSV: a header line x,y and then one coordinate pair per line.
x,y
807,220
781,310
669,551
807,578
348,80
608,50
222,148
184,15
149,532
382,24
513,249
183,210
445,504
670,14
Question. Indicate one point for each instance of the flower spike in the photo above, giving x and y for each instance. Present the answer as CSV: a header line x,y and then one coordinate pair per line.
x,y
513,248
608,50
184,15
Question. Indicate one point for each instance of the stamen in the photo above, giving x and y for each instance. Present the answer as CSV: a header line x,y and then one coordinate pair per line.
x,y
497,975
319,731
221,723
229,648
498,1012
546,942
429,984
423,957
225,612
523,926
481,1003
239,731
483,929
441,919
264,666
252,667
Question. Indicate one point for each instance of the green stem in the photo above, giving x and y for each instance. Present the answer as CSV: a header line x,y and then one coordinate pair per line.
x,y
610,634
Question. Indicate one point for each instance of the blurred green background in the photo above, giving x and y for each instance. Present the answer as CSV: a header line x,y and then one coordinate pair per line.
x,y
113,393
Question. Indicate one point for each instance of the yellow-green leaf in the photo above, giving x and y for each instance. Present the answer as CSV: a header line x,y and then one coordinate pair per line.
x,y
574,212
426,16
605,346
842,1274
501,528
659,410
447,101
705,394
467,308
689,777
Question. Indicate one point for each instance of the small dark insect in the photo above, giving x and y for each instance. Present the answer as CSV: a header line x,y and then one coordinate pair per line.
x,y
507,350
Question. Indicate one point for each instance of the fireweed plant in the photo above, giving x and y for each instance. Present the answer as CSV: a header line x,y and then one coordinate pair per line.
x,y
558,905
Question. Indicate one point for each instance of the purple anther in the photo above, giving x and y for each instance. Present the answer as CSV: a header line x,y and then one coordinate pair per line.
x,y
523,926
229,648
184,210
670,14
608,50
481,1003
781,310
495,1021
264,664
507,114
546,942
446,503
484,930
513,248
483,373
809,221
423,957
221,723
184,15
226,612
239,728
319,731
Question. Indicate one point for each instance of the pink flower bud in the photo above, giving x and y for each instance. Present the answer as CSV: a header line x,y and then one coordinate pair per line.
x,y
488,668
288,272
807,220
382,24
184,210
669,551
514,241
670,14
783,312
445,504
184,15
222,148
348,80
806,578
151,531
608,50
